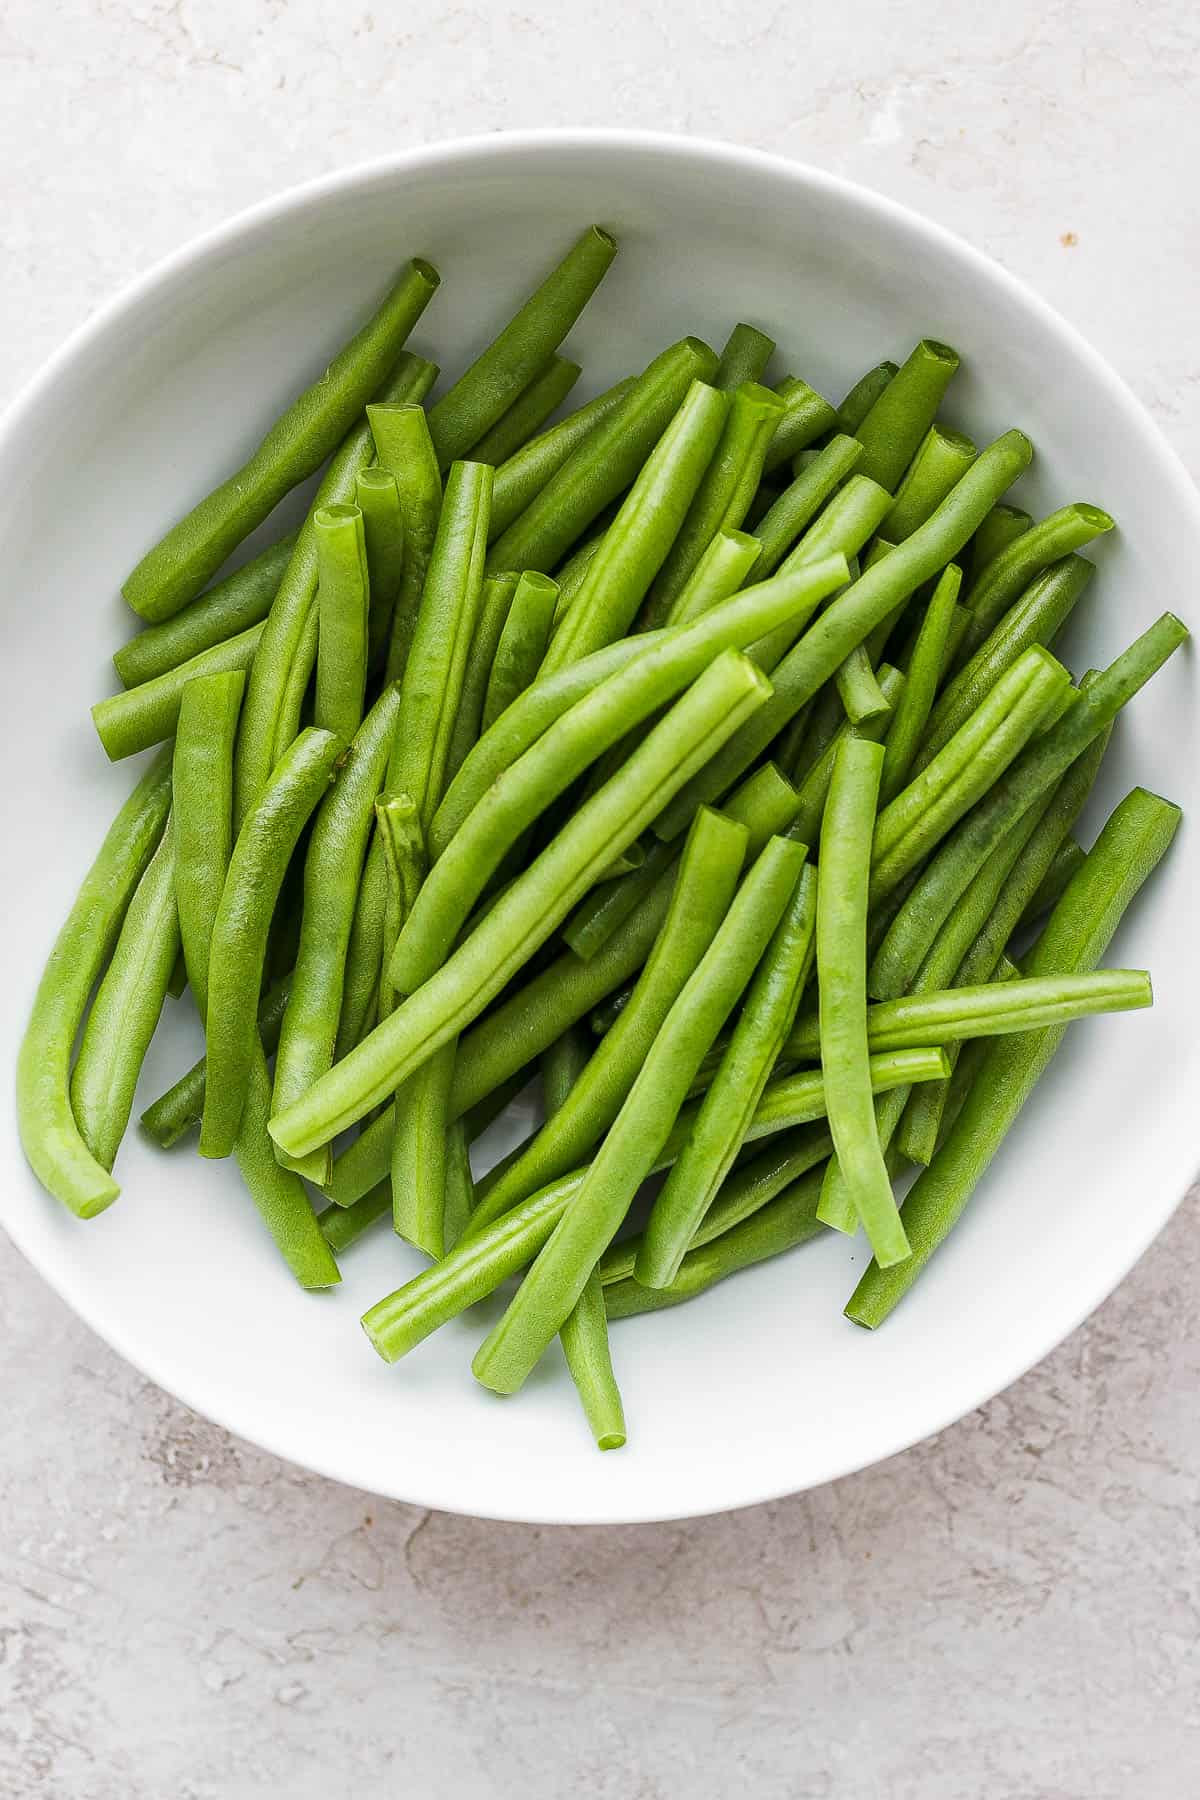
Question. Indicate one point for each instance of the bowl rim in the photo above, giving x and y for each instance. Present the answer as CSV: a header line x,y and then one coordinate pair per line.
x,y
249,220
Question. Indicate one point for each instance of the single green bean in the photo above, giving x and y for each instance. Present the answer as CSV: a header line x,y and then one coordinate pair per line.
x,y
813,791
422,1124
560,1068
836,1206
943,458
494,607
405,450
745,357
261,853
533,907
522,645
1066,860
126,1008
1036,618
570,576
722,571
708,874
907,726
603,463
361,981
799,504
284,659
562,754
528,412
512,360
202,818
729,1105
1038,768
342,604
637,543
50,1137
401,847
864,394
807,416
584,1334
1081,926
377,498
332,869
141,716
459,1184
1008,574
179,1109
528,470
895,427
1003,525
631,1147
228,608
175,570
846,524
726,488
850,619
342,1226
846,840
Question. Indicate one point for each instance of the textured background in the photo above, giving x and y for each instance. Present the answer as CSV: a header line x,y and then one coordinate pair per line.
x,y
1009,1610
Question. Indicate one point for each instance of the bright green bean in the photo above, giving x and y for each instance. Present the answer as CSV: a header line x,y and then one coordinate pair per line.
x,y
895,427
522,645
846,524
377,498
836,1206
1081,926
799,504
526,472
342,1226
1066,860
807,416
745,357
1007,576
405,450
864,394
175,570
260,857
421,1128
361,981
943,457
228,608
494,606
179,1109
459,1185
511,361
1003,525
603,463
528,412
342,603
722,571
141,716
907,726
1038,768
636,544
202,818
813,791
584,1334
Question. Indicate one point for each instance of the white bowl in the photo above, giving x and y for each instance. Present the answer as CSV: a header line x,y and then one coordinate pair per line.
x,y
762,1387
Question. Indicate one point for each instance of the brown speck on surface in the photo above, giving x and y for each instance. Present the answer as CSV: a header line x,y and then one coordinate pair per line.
x,y
1069,239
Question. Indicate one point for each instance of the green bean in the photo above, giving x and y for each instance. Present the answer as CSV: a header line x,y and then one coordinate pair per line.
x,y
405,449
807,416
342,1226
726,488
484,393
284,659
526,472
943,457
1036,618
864,394
846,841
1022,701
897,422
584,1334
560,1068
846,524
478,1265
436,665
126,1008
604,462
364,955
278,1193
332,867
239,938
223,611
522,644
377,498
1007,576
459,1185
533,907
202,819
178,1110
510,807
799,504
766,803
297,687
50,1137
1038,768
422,1124
175,570
1066,860
729,1105
708,874
1003,525
342,602
141,716
813,791
721,572
638,541
836,1205
1081,926
570,577
178,981
631,1147
907,726
528,412
401,847
859,691
851,617
494,606
745,357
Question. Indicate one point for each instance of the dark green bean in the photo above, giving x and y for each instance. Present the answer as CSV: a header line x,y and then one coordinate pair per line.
x,y
897,422
192,551
494,607
377,498
227,608
481,396
528,412
522,644
745,357
179,1109
1066,860
1081,926
1008,574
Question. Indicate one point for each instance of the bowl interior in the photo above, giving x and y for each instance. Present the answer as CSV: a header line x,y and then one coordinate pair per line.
x,y
761,1388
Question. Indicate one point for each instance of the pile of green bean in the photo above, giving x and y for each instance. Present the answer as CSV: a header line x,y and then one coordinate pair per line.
x,y
703,754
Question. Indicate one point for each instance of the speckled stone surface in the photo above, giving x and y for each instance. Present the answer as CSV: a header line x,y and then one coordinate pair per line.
x,y
1009,1610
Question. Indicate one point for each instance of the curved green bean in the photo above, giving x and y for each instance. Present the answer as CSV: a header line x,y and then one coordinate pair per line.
x,y
1009,573
528,412
898,420
179,1109
223,611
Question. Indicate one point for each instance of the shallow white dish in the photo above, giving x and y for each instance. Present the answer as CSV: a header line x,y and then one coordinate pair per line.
x,y
761,1388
